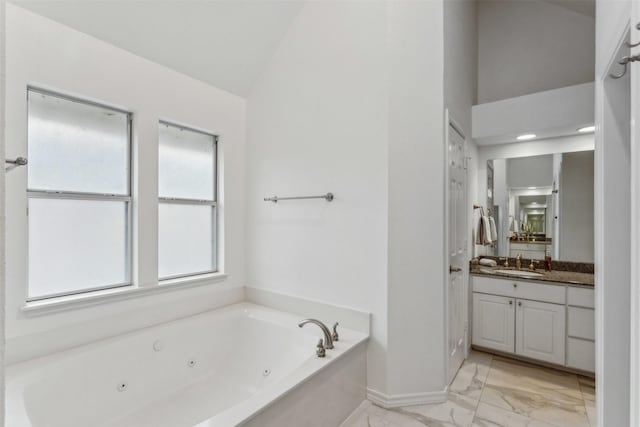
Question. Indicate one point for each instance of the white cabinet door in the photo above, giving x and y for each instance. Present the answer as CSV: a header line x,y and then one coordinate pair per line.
x,y
540,331
494,322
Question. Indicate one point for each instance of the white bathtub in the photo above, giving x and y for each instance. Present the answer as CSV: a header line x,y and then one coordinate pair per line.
x,y
240,365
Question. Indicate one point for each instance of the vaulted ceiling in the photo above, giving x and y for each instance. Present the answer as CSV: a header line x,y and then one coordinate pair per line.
x,y
585,7
225,43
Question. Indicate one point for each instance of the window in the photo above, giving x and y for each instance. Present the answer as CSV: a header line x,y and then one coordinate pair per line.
x,y
187,193
79,198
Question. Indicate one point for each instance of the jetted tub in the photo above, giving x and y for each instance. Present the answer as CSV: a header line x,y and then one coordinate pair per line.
x,y
240,365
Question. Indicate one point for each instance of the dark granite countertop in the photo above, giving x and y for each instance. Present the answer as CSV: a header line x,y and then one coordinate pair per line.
x,y
568,277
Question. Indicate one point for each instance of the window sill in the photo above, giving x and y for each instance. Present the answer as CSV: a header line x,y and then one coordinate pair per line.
x,y
71,302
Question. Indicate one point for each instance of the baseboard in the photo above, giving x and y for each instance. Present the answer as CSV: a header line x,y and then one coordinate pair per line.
x,y
410,399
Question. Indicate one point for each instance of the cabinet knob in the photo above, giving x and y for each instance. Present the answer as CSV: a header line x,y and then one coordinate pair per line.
x,y
515,285
519,303
510,302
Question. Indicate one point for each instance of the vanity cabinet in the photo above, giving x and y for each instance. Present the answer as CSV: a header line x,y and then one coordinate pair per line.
x,y
549,322
581,345
494,322
540,331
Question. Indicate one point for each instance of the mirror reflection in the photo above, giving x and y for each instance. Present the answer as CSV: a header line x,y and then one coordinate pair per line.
x,y
543,206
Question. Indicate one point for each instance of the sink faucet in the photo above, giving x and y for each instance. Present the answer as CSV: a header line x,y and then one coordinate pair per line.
x,y
328,340
518,261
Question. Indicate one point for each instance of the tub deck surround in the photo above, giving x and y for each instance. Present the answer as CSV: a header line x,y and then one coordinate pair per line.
x,y
565,277
220,368
351,318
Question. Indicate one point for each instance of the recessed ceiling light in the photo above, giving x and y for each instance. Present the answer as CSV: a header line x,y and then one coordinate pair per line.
x,y
526,136
587,129
532,188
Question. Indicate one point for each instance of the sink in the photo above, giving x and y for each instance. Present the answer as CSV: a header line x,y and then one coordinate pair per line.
x,y
519,273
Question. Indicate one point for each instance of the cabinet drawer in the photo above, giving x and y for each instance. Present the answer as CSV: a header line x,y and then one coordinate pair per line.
x,y
581,323
519,289
581,354
580,297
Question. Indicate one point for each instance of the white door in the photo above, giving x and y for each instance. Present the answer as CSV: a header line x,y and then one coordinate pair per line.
x,y
457,223
540,331
494,322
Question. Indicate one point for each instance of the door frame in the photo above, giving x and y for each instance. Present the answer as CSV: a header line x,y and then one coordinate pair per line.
x,y
449,121
634,368
605,355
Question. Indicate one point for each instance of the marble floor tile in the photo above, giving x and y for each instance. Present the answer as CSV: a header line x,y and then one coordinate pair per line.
x,y
470,379
370,415
537,393
530,377
588,388
587,381
490,416
491,391
455,412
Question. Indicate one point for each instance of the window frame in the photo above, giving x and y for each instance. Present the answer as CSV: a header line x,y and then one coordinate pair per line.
x,y
77,195
213,204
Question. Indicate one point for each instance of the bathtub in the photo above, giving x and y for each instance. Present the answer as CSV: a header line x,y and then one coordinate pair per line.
x,y
242,365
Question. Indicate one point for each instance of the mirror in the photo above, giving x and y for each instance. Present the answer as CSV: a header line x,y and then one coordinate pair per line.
x,y
543,205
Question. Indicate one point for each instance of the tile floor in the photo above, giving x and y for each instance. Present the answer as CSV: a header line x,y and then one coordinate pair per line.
x,y
491,391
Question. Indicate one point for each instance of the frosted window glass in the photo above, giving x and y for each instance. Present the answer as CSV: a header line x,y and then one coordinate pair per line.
x,y
76,147
186,239
76,245
186,164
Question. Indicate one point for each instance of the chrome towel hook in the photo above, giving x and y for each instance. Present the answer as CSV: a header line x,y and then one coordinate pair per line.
x,y
18,161
624,62
631,45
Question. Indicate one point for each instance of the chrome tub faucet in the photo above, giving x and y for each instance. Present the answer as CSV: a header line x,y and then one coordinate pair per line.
x,y
328,340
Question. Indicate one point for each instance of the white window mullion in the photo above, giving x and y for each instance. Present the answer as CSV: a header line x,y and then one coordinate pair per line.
x,y
145,200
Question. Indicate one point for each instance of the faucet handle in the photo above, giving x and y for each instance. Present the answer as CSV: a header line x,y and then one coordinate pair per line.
x,y
335,335
320,351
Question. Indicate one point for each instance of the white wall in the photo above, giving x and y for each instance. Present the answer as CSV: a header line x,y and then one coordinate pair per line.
x,y
549,114
576,207
318,122
2,206
531,46
460,61
370,130
416,361
533,171
43,53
